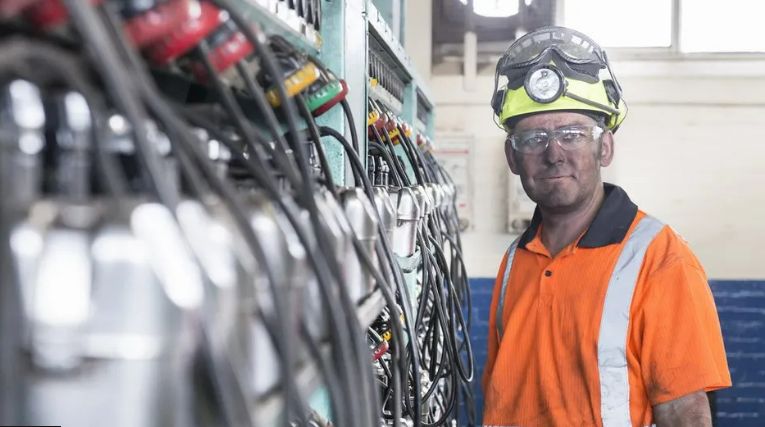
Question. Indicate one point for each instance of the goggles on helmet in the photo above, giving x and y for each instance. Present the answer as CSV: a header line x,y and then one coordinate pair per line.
x,y
547,60
571,45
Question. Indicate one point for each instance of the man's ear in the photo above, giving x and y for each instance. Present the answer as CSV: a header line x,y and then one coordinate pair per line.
x,y
607,149
510,156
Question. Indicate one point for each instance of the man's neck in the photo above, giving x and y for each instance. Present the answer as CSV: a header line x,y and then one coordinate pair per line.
x,y
560,229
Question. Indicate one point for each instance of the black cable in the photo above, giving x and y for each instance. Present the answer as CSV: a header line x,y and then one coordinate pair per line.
x,y
315,133
328,131
271,66
48,65
386,156
415,156
316,138
327,294
387,142
413,161
336,398
395,325
117,82
466,376
177,127
248,133
351,125
259,96
400,282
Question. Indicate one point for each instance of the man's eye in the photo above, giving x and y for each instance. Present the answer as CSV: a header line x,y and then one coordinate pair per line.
x,y
534,141
571,136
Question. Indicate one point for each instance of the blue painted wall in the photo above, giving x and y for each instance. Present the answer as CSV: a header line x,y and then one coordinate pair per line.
x,y
741,305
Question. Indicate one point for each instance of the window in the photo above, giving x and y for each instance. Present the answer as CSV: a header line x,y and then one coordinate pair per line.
x,y
622,23
730,26
495,8
704,27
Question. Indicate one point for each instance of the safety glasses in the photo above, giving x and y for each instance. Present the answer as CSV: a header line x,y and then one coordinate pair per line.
x,y
569,138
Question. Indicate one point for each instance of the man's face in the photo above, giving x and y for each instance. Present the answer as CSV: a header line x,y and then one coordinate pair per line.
x,y
557,179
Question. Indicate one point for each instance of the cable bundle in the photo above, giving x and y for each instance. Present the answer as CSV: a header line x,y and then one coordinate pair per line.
x,y
441,358
178,249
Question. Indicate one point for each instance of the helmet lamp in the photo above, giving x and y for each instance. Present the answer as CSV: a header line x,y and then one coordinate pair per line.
x,y
545,84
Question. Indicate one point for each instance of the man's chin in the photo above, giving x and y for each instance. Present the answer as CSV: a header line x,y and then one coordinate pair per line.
x,y
556,200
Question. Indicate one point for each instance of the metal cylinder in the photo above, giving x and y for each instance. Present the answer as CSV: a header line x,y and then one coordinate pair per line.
x,y
264,219
22,118
111,323
363,220
386,210
408,212
74,139
423,200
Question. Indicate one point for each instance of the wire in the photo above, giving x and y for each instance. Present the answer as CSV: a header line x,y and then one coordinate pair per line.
x,y
48,65
386,156
259,96
183,144
328,131
271,66
387,142
121,94
327,290
314,132
400,282
351,125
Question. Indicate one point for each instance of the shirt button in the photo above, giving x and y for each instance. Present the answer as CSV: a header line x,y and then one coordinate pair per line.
x,y
548,273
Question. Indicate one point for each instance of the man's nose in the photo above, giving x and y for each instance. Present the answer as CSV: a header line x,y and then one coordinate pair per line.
x,y
554,154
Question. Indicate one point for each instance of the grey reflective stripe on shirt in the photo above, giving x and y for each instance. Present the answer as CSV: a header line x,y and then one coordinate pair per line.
x,y
503,289
614,325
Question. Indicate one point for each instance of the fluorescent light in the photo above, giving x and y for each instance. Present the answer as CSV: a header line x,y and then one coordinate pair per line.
x,y
495,8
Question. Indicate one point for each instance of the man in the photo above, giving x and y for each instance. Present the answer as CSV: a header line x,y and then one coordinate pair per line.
x,y
601,315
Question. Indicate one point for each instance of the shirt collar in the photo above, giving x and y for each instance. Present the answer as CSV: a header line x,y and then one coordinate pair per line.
x,y
610,226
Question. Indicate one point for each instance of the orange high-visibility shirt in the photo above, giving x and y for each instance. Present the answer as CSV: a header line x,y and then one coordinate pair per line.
x,y
545,370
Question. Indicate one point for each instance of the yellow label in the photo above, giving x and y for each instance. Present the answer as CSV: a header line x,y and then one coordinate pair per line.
x,y
372,118
393,136
295,83
386,335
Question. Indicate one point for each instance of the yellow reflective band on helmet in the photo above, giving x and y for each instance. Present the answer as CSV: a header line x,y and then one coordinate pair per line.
x,y
517,102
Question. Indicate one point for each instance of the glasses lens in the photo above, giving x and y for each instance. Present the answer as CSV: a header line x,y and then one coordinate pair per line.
x,y
573,138
530,142
569,138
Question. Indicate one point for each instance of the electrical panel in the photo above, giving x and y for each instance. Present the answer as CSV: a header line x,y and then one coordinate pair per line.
x,y
520,206
454,152
216,214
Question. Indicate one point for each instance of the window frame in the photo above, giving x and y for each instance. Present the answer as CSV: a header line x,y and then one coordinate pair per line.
x,y
671,52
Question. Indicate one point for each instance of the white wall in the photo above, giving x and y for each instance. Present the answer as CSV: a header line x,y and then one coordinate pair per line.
x,y
691,152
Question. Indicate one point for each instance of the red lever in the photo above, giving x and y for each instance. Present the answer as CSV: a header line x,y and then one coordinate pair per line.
x,y
225,54
155,24
188,35
380,350
46,14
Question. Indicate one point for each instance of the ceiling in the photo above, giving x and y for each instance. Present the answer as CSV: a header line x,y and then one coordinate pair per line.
x,y
494,34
